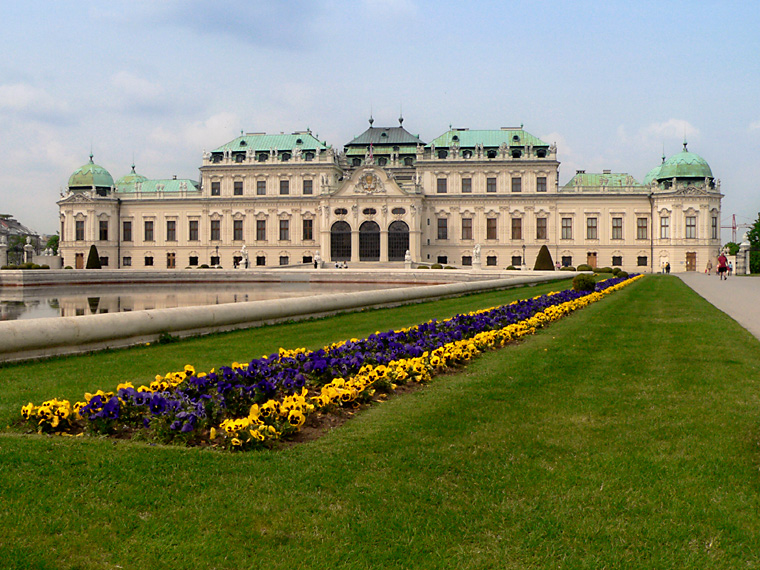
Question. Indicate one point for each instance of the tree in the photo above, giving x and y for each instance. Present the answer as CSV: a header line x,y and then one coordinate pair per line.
x,y
754,242
733,247
544,260
93,259
52,244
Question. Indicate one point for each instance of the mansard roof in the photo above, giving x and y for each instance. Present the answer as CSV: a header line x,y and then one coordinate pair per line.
x,y
605,182
466,138
385,136
281,142
167,186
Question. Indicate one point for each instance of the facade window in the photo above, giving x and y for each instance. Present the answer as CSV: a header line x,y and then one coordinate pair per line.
x,y
592,228
691,227
237,230
237,188
490,184
617,228
567,228
516,184
541,184
284,187
148,261
714,227
284,260
441,185
214,260
541,228
665,227
261,187
261,230
103,230
442,259
216,187
567,260
641,261
261,260
193,230
516,260
491,260
148,233
104,261
193,261
79,230
516,228
617,260
216,230
466,228
171,260
308,187
491,228
466,185
126,231
126,261
171,230
308,230
642,228
443,228
466,260
284,232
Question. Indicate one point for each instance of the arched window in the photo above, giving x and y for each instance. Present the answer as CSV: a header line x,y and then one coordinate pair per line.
x,y
369,211
341,211
516,153
408,161
340,242
491,154
382,161
398,240
356,162
369,242
443,153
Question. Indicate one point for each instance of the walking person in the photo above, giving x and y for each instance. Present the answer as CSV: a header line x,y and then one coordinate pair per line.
x,y
730,268
709,267
722,266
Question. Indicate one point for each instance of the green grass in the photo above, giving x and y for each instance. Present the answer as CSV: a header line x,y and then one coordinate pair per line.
x,y
624,436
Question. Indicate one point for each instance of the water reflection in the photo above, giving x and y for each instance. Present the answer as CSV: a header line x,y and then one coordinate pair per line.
x,y
36,302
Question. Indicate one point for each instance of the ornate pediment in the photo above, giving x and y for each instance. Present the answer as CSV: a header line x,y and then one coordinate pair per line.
x,y
369,183
691,191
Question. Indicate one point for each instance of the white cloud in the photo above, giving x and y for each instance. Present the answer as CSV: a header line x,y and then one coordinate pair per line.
x,y
134,93
210,133
670,129
754,126
22,97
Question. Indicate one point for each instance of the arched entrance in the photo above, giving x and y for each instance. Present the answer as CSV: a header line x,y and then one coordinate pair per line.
x,y
369,241
340,242
398,240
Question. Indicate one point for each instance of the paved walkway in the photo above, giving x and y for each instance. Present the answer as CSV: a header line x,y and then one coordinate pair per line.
x,y
738,297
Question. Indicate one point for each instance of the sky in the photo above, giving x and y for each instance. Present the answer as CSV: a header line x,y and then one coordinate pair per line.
x,y
614,84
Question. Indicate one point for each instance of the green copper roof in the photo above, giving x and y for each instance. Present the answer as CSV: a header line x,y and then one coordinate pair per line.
x,y
651,175
685,164
130,178
379,149
264,142
494,138
595,182
167,186
90,175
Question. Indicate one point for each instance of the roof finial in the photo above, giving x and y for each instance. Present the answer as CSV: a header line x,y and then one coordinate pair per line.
x,y
371,120
400,115
663,153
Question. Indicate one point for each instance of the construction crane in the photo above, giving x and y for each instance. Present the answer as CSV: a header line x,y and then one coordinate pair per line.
x,y
734,226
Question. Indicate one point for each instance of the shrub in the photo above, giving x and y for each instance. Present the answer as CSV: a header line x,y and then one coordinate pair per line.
x,y
622,274
585,267
584,282
449,267
423,267
616,270
68,267
568,268
93,259
204,266
603,270
544,260
511,268
436,266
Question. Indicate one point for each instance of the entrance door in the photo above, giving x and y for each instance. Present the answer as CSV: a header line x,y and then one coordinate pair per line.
x,y
691,261
79,260
591,258
340,242
369,242
398,240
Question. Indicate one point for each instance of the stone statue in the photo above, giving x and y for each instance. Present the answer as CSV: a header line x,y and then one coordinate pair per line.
x,y
206,154
297,153
476,253
3,239
407,256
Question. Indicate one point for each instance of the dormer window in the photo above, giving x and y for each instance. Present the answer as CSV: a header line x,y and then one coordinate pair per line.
x,y
467,154
491,154
443,153
263,156
308,156
541,153
356,162
299,141
243,143
516,153
382,161
285,156
455,138
515,139
383,135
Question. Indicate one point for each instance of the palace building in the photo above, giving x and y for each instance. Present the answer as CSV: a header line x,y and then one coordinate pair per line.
x,y
267,200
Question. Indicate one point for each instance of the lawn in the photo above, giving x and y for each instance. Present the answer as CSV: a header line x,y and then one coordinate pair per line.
x,y
623,436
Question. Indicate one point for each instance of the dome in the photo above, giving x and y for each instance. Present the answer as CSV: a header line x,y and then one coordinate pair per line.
x,y
131,178
90,175
685,164
652,175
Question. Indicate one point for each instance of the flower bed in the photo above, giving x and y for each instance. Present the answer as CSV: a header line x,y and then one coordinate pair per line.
x,y
243,406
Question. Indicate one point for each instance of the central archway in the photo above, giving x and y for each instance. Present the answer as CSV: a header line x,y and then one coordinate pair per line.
x,y
340,242
398,240
369,241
